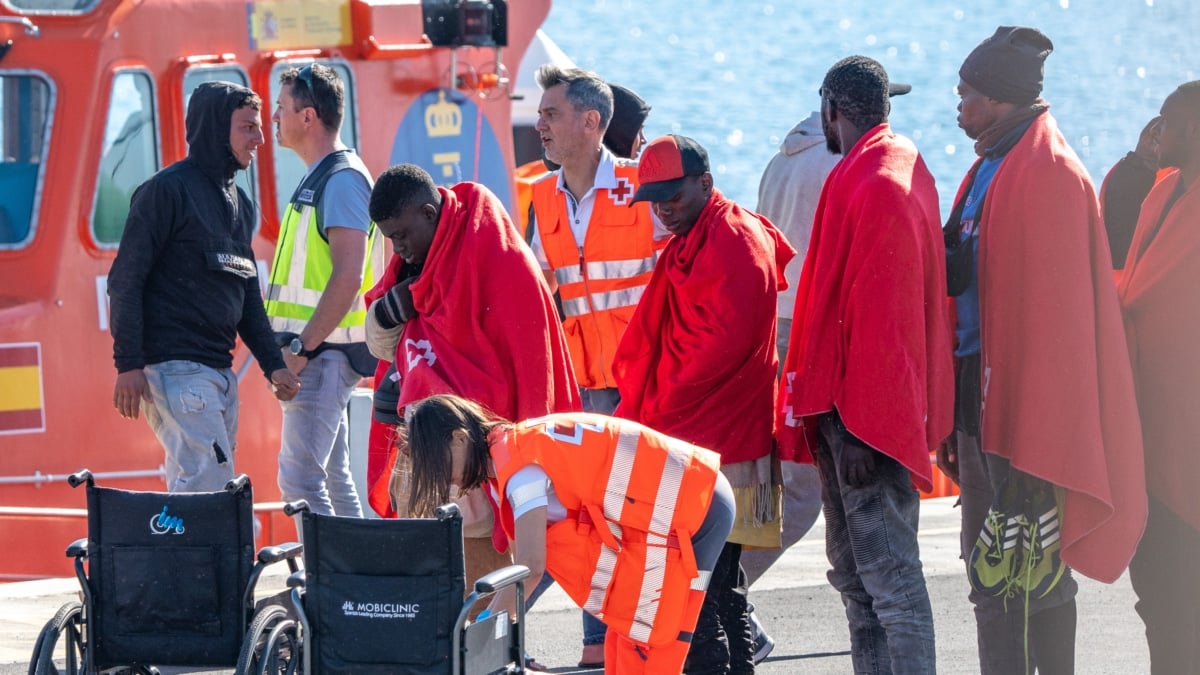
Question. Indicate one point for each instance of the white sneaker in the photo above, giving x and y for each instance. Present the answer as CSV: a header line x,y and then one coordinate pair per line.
x,y
763,644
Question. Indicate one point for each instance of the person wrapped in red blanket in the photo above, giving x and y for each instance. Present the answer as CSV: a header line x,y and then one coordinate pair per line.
x,y
1045,399
1162,326
698,361
867,379
462,308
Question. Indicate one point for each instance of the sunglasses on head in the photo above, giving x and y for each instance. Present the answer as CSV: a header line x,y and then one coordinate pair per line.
x,y
306,76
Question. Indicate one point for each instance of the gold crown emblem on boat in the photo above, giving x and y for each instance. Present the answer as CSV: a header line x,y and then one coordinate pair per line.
x,y
443,118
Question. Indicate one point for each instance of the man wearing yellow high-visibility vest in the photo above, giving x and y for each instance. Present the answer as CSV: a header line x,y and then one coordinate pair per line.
x,y
323,264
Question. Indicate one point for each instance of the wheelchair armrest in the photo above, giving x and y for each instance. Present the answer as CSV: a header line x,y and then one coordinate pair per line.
x,y
296,579
298,506
505,576
269,555
78,548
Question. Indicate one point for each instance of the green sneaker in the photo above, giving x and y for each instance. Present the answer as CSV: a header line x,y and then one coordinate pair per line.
x,y
1041,566
996,556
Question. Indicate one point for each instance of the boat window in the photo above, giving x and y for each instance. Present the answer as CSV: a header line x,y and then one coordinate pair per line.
x,y
289,168
248,180
130,153
53,6
26,109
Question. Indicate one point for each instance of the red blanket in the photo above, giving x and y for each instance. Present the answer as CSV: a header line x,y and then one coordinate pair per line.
x,y
1162,322
486,327
698,359
869,333
1058,395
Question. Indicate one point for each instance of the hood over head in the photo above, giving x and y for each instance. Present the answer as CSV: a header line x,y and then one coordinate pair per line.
x,y
209,114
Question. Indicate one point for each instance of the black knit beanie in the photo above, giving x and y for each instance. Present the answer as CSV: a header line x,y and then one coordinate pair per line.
x,y
1008,65
629,115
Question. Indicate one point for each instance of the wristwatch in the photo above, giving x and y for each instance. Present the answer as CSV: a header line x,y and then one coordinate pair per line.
x,y
296,347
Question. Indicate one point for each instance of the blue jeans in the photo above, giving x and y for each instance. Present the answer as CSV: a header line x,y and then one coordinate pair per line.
x,y
193,410
314,459
871,542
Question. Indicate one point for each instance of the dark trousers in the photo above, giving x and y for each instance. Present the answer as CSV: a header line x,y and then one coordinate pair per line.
x,y
721,643
1167,584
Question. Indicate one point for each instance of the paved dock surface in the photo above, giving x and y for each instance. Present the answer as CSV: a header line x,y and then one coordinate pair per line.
x,y
801,612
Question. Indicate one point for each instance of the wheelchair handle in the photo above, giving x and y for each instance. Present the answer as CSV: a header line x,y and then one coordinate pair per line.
x,y
447,511
80,477
298,506
238,483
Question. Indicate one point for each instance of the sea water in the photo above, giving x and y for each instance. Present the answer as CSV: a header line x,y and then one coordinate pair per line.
x,y
737,75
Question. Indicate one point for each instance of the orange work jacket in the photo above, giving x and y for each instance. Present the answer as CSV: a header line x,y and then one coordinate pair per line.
x,y
601,281
634,499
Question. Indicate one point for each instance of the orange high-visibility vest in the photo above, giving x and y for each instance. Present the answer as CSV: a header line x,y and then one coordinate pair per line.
x,y
634,499
525,176
601,281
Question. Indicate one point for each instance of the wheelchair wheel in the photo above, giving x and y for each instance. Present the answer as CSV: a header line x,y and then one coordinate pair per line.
x,y
62,637
271,644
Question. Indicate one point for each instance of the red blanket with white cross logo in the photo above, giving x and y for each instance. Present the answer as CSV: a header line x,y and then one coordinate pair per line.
x,y
486,327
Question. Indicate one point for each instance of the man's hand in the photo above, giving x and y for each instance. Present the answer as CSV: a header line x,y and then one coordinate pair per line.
x,y
284,384
857,464
130,391
947,457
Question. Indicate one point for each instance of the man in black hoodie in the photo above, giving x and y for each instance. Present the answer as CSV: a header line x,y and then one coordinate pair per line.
x,y
184,286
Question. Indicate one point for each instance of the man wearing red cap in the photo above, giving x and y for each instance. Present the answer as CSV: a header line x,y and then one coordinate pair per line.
x,y
698,362
1047,449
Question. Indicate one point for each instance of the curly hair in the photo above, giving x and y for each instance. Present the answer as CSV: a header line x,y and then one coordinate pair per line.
x,y
858,87
398,188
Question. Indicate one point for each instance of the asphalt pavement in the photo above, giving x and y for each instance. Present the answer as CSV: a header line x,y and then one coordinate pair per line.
x,y
793,600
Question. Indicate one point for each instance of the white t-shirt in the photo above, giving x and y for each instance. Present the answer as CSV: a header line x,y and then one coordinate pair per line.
x,y
580,212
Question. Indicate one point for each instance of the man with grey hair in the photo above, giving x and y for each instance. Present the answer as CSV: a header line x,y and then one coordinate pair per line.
x,y
595,250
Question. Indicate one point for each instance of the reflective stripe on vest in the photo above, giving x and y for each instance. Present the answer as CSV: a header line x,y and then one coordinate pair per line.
x,y
626,297
303,266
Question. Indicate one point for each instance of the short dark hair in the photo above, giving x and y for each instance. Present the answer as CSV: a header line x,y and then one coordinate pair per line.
x,y
398,188
1189,96
248,99
431,422
858,87
318,87
585,89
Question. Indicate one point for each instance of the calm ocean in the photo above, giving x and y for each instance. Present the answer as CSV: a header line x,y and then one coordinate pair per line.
x,y
737,75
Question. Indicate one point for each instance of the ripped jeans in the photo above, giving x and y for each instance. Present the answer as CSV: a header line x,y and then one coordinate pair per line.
x,y
193,410
871,542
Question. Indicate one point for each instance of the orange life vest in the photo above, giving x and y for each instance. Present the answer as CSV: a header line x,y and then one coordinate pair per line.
x,y
601,281
525,176
634,499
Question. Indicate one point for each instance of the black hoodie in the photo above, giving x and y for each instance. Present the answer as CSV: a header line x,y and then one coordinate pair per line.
x,y
184,283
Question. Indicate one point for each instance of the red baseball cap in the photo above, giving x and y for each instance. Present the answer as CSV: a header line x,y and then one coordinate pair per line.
x,y
664,163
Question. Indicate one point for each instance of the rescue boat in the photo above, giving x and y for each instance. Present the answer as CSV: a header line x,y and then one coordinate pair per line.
x,y
92,102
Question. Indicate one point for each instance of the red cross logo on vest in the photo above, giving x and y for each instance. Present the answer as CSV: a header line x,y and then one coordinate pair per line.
x,y
622,193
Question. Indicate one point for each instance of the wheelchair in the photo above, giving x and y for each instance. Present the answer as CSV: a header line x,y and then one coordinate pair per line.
x,y
169,581
386,596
